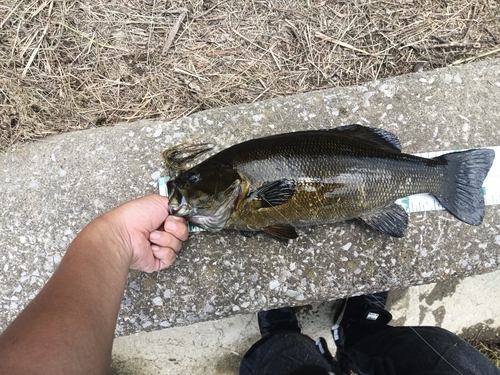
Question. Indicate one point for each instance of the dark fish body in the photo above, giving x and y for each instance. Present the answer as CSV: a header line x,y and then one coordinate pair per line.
x,y
291,180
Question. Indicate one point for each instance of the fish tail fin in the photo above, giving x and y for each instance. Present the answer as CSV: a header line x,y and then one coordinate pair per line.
x,y
463,196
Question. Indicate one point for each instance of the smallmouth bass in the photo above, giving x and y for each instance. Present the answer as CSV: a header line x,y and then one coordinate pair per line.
x,y
279,183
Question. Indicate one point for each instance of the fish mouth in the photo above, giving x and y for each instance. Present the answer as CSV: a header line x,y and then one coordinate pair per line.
x,y
211,220
178,205
183,209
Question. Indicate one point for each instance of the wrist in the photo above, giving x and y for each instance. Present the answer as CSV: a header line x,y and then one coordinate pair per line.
x,y
105,233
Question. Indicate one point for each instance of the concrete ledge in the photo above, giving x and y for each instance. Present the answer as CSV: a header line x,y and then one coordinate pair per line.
x,y
464,307
52,188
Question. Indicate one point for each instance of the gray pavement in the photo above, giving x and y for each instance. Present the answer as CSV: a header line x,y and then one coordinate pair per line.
x,y
50,189
463,306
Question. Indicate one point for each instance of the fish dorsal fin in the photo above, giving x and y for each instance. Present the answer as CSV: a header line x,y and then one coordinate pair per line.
x,y
391,220
274,193
380,137
282,232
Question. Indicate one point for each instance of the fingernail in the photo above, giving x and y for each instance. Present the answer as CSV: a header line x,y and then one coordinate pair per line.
x,y
154,236
155,247
170,226
177,219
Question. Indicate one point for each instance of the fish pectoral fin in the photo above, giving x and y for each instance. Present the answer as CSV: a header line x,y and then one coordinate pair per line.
x,y
282,232
379,137
391,220
274,193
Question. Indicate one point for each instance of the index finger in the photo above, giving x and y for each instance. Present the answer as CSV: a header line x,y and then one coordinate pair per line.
x,y
177,227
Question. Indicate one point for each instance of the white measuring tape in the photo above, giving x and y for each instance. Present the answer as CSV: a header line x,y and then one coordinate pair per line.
x,y
413,203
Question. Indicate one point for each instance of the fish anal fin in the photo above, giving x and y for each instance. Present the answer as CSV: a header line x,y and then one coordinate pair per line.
x,y
391,220
274,193
282,232
376,136
248,233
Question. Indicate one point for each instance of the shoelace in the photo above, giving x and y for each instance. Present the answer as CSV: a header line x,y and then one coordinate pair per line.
x,y
373,300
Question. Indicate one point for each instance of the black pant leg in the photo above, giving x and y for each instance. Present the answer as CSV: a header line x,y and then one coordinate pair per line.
x,y
282,353
415,351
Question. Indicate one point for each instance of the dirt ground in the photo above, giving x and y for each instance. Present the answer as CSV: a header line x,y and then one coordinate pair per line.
x,y
69,64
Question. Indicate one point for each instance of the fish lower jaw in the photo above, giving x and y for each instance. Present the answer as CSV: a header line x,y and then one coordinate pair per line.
x,y
183,211
208,223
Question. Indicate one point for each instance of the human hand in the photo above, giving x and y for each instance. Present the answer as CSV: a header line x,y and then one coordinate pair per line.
x,y
136,224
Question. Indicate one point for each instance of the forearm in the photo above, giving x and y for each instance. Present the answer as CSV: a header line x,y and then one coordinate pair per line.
x,y
69,327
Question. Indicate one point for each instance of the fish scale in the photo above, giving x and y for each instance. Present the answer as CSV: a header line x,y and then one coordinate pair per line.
x,y
333,187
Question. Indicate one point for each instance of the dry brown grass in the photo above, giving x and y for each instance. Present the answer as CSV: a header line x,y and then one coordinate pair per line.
x,y
490,350
67,64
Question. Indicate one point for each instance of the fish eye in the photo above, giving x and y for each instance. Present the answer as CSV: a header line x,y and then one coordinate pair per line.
x,y
193,178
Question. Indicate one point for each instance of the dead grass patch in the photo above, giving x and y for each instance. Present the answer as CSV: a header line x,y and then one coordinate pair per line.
x,y
68,64
491,350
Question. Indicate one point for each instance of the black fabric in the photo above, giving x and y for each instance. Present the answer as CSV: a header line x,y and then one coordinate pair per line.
x,y
283,353
382,350
310,370
282,319
414,351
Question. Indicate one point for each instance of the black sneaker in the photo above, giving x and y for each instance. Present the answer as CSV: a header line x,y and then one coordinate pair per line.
x,y
282,319
366,310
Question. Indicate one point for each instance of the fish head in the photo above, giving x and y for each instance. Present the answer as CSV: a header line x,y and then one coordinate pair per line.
x,y
206,195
